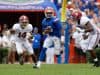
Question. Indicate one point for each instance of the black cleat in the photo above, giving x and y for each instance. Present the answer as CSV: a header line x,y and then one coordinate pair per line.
x,y
35,66
96,64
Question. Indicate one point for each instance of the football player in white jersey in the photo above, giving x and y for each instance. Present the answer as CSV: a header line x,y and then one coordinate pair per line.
x,y
21,30
93,36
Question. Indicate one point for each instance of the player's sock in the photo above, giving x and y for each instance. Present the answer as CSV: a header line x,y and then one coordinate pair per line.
x,y
96,59
34,58
21,59
38,64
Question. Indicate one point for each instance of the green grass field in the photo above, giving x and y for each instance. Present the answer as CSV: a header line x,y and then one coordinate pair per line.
x,y
55,69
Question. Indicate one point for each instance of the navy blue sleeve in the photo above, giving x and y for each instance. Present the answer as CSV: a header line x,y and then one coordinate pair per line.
x,y
43,24
58,24
57,27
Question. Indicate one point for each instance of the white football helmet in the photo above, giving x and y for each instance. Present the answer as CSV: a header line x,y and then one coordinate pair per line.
x,y
23,20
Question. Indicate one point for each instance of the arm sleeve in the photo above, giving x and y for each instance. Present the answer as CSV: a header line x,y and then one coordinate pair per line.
x,y
30,28
16,28
43,24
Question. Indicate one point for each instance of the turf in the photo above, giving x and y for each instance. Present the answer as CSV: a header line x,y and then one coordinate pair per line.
x,y
55,69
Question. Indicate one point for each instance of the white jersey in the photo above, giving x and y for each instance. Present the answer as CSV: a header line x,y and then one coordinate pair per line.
x,y
22,33
95,27
85,19
93,36
21,41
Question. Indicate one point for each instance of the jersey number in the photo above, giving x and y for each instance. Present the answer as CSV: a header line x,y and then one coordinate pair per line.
x,y
23,35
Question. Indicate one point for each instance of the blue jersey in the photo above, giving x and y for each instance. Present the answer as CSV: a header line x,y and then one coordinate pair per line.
x,y
37,41
55,25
